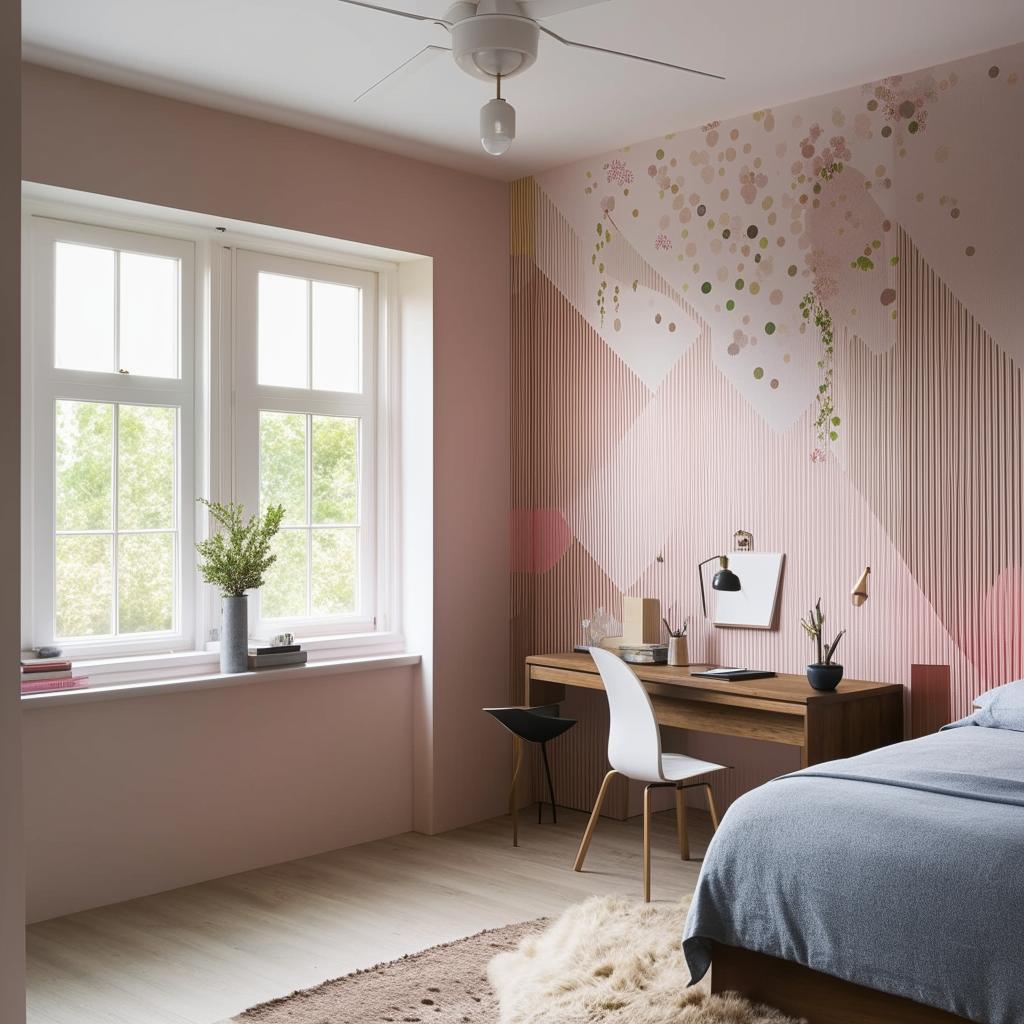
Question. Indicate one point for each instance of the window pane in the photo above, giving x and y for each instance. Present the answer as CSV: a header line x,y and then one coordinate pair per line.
x,y
336,337
146,442
145,582
283,331
334,571
84,585
84,438
335,469
84,308
149,315
283,463
284,594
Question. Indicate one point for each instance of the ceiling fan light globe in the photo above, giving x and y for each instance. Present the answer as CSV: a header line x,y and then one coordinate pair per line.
x,y
498,62
497,126
487,45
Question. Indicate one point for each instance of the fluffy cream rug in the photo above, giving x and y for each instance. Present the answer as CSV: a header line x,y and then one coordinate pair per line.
x,y
612,960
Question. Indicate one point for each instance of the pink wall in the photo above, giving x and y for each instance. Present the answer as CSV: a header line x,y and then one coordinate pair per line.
x,y
142,794
12,891
91,136
669,388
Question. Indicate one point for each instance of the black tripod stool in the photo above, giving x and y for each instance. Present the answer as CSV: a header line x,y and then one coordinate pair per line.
x,y
534,725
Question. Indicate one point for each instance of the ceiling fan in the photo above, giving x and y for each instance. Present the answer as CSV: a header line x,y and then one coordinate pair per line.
x,y
494,40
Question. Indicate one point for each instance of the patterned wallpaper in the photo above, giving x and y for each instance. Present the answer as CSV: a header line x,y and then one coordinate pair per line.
x,y
806,323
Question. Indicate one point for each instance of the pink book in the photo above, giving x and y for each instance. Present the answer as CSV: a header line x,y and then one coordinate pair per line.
x,y
45,685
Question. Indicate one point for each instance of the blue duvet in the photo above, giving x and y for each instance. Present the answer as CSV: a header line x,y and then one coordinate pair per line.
x,y
901,869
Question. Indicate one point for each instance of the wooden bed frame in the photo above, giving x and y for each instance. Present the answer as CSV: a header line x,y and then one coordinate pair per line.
x,y
819,998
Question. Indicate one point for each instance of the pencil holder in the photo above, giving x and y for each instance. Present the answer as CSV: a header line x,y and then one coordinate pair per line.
x,y
678,651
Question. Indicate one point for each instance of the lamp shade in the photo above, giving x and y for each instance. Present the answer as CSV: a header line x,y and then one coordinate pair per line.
x,y
497,126
725,579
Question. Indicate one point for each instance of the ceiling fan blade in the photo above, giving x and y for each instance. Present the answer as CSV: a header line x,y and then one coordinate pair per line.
x,y
545,8
401,14
631,56
416,61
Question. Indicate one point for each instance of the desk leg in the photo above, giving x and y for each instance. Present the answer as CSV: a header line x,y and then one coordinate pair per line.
x,y
513,797
683,835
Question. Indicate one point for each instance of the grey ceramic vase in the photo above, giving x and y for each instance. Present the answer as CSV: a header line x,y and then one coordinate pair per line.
x,y
234,634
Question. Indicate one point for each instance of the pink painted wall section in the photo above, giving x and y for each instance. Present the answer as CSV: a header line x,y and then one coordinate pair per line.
x,y
83,134
804,323
139,795
12,883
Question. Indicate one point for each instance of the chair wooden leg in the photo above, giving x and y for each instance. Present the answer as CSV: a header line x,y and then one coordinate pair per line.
x,y
647,844
592,824
684,838
513,802
711,809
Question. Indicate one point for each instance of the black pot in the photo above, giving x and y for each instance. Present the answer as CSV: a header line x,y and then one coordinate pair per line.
x,y
824,677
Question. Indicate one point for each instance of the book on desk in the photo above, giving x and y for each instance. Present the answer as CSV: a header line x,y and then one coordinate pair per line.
x,y
735,674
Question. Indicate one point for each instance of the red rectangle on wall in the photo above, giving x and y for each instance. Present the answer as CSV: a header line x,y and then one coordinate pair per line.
x,y
929,699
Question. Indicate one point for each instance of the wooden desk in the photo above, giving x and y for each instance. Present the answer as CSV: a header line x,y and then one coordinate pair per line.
x,y
856,717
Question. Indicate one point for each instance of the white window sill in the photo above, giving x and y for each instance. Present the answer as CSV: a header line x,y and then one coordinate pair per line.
x,y
217,680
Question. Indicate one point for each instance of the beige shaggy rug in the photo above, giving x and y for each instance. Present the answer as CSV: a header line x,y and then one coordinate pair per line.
x,y
611,960
605,961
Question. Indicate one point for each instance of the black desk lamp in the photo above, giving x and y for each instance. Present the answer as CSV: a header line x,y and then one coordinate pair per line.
x,y
724,579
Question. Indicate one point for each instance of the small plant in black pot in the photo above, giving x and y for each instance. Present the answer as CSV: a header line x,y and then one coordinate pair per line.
x,y
824,674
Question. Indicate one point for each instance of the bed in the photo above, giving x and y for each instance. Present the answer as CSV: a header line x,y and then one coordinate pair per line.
x,y
884,887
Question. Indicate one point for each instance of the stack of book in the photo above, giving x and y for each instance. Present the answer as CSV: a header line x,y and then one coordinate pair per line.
x,y
644,654
39,675
263,655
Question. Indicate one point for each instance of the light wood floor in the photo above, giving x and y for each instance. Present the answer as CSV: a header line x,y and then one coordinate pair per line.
x,y
203,953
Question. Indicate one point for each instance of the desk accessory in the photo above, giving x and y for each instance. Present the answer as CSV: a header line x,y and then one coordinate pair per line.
x,y
597,629
678,645
823,674
723,580
644,654
734,674
641,620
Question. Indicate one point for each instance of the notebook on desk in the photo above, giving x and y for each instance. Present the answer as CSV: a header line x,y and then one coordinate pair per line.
x,y
734,674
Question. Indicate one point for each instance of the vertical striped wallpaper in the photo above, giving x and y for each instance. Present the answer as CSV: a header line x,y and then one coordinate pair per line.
x,y
618,486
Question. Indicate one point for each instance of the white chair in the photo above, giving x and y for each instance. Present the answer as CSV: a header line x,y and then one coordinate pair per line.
x,y
634,750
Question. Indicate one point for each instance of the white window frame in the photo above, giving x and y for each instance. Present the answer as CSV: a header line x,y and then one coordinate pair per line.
x,y
252,398
209,462
47,384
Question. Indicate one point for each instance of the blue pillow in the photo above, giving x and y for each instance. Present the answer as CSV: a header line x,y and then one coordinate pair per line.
x,y
984,699
1001,708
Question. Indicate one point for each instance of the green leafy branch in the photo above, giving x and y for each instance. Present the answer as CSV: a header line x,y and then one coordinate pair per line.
x,y
237,557
826,422
604,237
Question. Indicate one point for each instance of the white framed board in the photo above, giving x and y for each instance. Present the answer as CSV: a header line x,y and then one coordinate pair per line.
x,y
753,605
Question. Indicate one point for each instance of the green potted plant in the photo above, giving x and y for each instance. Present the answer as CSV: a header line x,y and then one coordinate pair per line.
x,y
824,674
235,560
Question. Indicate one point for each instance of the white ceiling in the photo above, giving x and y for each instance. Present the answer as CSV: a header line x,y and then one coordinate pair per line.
x,y
302,62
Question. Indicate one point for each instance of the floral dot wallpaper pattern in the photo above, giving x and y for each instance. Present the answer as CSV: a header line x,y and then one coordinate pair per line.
x,y
805,322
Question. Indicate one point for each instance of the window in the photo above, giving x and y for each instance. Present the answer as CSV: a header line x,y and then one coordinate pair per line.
x,y
305,411
160,369
111,456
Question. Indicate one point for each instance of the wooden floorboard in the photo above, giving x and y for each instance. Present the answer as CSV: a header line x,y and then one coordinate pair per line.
x,y
203,953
